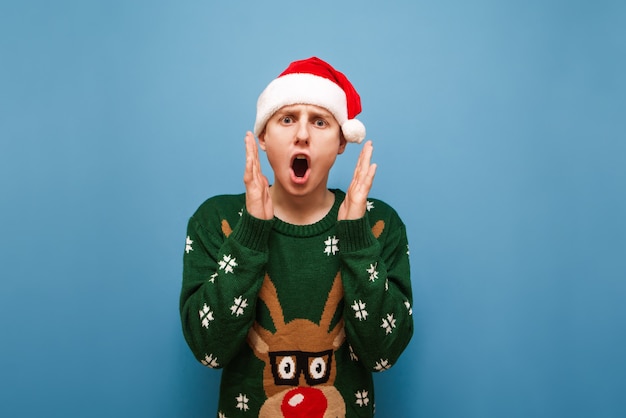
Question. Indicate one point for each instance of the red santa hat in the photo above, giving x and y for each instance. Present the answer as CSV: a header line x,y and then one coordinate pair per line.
x,y
313,81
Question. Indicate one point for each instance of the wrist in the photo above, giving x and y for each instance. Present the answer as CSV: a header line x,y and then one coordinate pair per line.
x,y
355,234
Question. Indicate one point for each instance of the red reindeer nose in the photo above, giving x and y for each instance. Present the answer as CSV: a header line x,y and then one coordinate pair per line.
x,y
304,402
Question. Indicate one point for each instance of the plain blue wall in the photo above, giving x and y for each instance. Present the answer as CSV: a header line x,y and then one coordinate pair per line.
x,y
500,134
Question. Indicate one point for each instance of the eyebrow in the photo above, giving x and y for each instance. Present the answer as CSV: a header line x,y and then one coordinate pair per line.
x,y
315,112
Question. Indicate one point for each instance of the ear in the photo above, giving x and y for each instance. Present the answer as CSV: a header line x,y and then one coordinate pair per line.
x,y
256,342
342,143
262,140
341,335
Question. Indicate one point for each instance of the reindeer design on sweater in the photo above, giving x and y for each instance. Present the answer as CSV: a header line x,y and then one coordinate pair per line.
x,y
300,384
297,383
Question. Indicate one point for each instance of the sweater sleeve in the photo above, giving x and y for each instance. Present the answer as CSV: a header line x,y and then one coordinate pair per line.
x,y
376,279
222,275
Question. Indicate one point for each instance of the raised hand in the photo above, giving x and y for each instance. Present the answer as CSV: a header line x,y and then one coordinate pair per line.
x,y
355,203
258,199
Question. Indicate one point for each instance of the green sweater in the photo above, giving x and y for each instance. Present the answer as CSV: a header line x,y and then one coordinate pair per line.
x,y
297,316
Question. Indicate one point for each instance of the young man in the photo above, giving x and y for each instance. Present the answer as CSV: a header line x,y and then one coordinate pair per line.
x,y
298,292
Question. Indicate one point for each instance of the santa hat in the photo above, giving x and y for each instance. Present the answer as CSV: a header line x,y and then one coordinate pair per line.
x,y
313,81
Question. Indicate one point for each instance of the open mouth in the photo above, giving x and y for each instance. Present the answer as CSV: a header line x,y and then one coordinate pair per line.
x,y
300,165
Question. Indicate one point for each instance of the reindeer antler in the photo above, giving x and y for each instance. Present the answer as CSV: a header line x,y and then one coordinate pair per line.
x,y
334,297
378,228
269,296
226,229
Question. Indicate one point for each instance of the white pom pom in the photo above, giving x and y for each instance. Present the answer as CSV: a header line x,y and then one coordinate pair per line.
x,y
353,130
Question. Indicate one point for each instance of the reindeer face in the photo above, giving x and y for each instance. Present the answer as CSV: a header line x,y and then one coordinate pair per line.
x,y
299,383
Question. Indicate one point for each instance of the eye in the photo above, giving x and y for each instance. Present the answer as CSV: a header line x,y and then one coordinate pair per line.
x,y
287,368
320,123
317,368
287,119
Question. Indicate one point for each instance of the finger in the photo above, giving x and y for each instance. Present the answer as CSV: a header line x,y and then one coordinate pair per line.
x,y
363,184
366,155
251,145
249,157
253,170
359,163
257,163
363,164
369,179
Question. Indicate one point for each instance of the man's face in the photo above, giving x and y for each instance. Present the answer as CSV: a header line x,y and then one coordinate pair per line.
x,y
302,142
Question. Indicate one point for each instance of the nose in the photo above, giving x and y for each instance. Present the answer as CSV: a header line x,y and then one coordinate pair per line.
x,y
304,402
302,135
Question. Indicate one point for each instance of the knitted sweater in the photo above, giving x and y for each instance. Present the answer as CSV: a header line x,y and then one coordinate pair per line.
x,y
297,316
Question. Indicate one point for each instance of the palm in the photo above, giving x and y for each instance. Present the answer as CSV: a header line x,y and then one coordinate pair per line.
x,y
258,199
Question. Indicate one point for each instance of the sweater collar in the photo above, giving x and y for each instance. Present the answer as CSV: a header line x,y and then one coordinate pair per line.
x,y
324,224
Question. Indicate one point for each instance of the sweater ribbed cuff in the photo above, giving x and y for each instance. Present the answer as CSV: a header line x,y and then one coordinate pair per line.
x,y
355,234
252,232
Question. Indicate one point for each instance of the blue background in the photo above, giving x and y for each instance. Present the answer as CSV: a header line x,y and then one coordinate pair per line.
x,y
499,130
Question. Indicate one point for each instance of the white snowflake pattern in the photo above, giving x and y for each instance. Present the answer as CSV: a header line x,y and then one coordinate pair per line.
x,y
242,402
206,315
359,310
331,245
372,272
239,306
353,355
213,276
407,250
220,414
382,364
188,243
386,284
227,263
408,306
388,323
362,398
210,361
370,205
